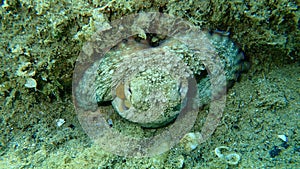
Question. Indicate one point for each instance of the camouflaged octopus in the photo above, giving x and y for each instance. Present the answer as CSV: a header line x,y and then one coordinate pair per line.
x,y
147,79
139,82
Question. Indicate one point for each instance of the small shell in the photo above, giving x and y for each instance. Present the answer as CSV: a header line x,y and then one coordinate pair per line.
x,y
30,83
283,137
230,158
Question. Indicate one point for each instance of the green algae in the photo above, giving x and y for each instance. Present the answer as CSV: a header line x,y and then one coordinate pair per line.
x,y
49,36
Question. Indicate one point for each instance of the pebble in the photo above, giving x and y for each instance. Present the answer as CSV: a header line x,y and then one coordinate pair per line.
x,y
60,122
283,138
30,83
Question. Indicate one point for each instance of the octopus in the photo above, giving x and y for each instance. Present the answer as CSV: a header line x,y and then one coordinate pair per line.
x,y
149,72
147,82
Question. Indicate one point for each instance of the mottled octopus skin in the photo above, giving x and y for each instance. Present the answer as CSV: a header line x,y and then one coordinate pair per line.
x,y
127,58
